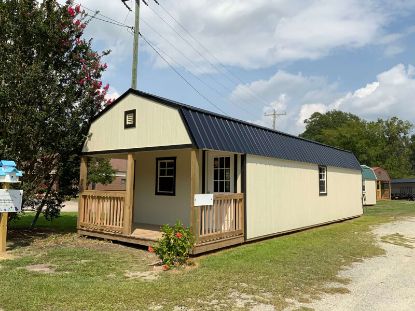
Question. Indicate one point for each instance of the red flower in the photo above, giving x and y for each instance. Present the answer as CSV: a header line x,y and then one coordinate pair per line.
x,y
71,11
165,267
150,249
78,8
106,87
82,81
77,22
83,26
179,235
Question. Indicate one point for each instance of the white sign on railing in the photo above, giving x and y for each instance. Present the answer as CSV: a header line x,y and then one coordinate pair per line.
x,y
203,199
10,200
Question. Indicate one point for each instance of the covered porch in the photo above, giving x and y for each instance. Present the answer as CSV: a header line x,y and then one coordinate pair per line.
x,y
151,200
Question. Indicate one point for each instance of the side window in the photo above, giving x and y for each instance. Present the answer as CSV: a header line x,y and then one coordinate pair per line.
x,y
322,180
166,176
222,174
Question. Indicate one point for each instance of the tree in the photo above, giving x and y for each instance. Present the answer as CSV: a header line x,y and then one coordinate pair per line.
x,y
385,143
319,122
50,89
100,171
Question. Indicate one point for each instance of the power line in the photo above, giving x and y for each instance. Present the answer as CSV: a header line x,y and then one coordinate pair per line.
x,y
130,28
117,23
191,62
179,74
208,52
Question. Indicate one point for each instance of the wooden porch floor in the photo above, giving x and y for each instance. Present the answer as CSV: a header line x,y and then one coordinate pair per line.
x,y
146,231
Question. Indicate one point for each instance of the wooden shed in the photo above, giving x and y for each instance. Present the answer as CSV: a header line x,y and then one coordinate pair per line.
x,y
383,184
369,185
229,180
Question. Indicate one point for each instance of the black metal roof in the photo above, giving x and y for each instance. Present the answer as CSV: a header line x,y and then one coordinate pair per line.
x,y
209,130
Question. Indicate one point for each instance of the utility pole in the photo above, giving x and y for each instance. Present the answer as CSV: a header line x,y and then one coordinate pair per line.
x,y
274,114
136,42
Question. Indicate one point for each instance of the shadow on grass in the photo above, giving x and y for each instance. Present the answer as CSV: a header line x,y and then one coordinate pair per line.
x,y
20,234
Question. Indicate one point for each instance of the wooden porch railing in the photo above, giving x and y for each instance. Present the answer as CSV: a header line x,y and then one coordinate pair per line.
x,y
224,219
102,211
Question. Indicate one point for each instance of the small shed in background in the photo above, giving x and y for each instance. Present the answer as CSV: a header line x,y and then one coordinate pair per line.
x,y
403,188
383,184
369,185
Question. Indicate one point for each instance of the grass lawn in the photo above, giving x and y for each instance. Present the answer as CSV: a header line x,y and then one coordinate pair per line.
x,y
54,269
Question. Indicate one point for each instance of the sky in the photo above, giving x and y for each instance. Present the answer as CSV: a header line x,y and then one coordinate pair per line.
x,y
245,58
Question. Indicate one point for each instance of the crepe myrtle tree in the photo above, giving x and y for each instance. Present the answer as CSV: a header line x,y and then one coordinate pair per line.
x,y
50,89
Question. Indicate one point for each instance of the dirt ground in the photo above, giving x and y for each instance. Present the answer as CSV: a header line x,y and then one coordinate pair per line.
x,y
380,283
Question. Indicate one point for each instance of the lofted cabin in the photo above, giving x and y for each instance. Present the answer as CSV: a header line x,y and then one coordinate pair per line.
x,y
229,180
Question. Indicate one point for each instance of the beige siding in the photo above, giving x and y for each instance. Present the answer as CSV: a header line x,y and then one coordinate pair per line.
x,y
284,195
370,188
150,208
156,125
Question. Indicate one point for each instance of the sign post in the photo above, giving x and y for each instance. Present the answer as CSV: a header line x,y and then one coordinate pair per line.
x,y
10,199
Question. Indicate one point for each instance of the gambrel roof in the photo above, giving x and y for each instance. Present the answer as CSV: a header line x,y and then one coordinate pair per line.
x,y
209,130
368,173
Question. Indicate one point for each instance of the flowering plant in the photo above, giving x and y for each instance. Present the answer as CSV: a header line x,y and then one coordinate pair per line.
x,y
174,247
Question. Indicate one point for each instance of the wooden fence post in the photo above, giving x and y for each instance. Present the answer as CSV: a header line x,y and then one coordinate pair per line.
x,y
3,226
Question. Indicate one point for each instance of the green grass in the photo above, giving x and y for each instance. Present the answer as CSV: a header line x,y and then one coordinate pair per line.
x,y
90,274
66,223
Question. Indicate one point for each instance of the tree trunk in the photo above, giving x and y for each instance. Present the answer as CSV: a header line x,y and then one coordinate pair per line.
x,y
42,204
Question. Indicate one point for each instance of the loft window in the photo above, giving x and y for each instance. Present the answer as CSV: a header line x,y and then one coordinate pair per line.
x,y
129,119
322,180
166,176
222,174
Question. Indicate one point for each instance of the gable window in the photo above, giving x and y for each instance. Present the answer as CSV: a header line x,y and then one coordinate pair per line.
x,y
129,119
222,174
166,176
322,180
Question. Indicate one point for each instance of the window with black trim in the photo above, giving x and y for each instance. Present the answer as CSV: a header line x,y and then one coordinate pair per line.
x,y
222,174
322,180
166,176
129,119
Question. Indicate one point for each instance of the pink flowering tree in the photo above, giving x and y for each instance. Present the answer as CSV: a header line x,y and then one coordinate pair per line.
x,y
50,89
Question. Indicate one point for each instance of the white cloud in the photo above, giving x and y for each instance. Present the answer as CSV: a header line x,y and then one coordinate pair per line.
x,y
288,92
260,33
250,34
307,110
391,94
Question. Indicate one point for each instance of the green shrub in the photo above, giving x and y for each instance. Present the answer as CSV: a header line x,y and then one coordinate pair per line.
x,y
175,245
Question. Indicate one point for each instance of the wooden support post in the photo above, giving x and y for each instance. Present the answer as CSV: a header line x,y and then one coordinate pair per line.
x,y
194,188
129,195
3,226
83,172
83,185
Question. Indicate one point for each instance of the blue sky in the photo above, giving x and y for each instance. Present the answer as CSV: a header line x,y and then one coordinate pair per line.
x,y
298,56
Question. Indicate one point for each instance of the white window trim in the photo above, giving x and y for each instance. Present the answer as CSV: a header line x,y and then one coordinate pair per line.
x,y
210,170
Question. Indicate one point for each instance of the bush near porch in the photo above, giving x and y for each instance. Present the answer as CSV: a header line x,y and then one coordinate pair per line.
x,y
90,274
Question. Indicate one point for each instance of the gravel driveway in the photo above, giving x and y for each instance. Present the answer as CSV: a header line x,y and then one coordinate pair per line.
x,y
380,283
